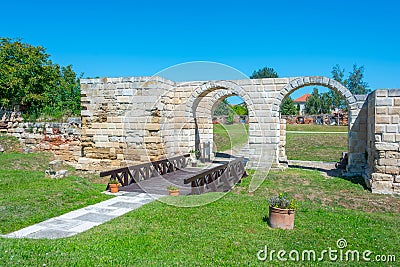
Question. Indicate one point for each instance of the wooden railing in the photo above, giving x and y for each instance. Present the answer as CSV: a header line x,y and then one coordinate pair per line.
x,y
218,179
137,173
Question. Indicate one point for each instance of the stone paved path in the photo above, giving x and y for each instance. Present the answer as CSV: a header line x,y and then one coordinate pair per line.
x,y
78,221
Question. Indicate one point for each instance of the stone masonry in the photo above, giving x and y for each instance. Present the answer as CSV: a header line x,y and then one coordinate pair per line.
x,y
62,139
383,151
137,119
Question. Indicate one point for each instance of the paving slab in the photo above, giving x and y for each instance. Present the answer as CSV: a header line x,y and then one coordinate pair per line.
x,y
83,219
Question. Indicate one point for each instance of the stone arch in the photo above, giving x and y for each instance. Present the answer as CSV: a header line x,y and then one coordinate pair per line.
x,y
297,83
355,139
222,89
208,87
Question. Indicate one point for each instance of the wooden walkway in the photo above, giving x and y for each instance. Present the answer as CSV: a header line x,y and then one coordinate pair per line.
x,y
158,184
155,177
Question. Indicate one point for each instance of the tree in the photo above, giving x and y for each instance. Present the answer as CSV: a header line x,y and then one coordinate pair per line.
x,y
264,73
222,108
338,102
355,82
240,109
288,107
29,78
318,103
338,74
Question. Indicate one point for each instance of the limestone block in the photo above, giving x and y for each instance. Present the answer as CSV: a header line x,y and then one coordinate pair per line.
x,y
384,102
383,119
381,93
381,177
152,126
386,146
380,111
55,165
397,179
392,155
389,137
393,169
379,168
393,110
381,187
394,92
392,128
387,162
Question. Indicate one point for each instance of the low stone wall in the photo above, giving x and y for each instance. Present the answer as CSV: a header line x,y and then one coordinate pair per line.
x,y
62,139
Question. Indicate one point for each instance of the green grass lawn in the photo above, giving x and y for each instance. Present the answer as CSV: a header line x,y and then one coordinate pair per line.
x,y
229,136
227,232
326,147
27,197
316,147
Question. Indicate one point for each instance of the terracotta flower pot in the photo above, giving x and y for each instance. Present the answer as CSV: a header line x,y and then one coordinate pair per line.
x,y
174,192
281,218
114,188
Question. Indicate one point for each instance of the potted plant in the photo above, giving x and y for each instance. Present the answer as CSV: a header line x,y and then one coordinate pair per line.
x,y
281,211
194,155
173,191
114,185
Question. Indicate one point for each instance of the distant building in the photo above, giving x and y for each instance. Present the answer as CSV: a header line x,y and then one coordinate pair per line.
x,y
301,101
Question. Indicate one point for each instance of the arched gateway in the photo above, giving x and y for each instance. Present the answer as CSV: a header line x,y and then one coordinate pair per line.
x,y
137,119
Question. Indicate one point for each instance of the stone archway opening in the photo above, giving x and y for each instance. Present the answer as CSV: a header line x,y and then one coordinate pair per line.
x,y
220,121
314,125
230,126
197,112
356,130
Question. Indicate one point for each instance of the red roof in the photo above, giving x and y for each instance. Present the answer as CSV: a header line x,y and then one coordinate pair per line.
x,y
302,98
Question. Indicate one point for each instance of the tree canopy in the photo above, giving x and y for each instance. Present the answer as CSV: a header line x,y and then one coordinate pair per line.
x,y
354,82
265,72
29,78
318,103
288,107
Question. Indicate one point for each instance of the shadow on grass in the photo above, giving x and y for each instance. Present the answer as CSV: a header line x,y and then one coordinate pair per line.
x,y
358,180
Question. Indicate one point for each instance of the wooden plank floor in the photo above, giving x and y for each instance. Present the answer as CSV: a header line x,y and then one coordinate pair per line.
x,y
158,184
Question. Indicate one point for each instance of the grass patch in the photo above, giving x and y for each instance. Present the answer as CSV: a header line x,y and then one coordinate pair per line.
x,y
316,128
10,143
316,147
27,197
230,231
229,136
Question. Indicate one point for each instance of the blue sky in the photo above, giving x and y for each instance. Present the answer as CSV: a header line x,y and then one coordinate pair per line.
x,y
140,38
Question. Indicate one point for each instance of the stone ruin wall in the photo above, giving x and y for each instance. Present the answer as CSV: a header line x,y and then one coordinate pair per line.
x,y
62,139
131,120
383,150
137,119
121,121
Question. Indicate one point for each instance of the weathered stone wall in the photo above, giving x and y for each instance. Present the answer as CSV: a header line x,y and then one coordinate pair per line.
x,y
121,121
128,120
383,174
137,119
62,139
